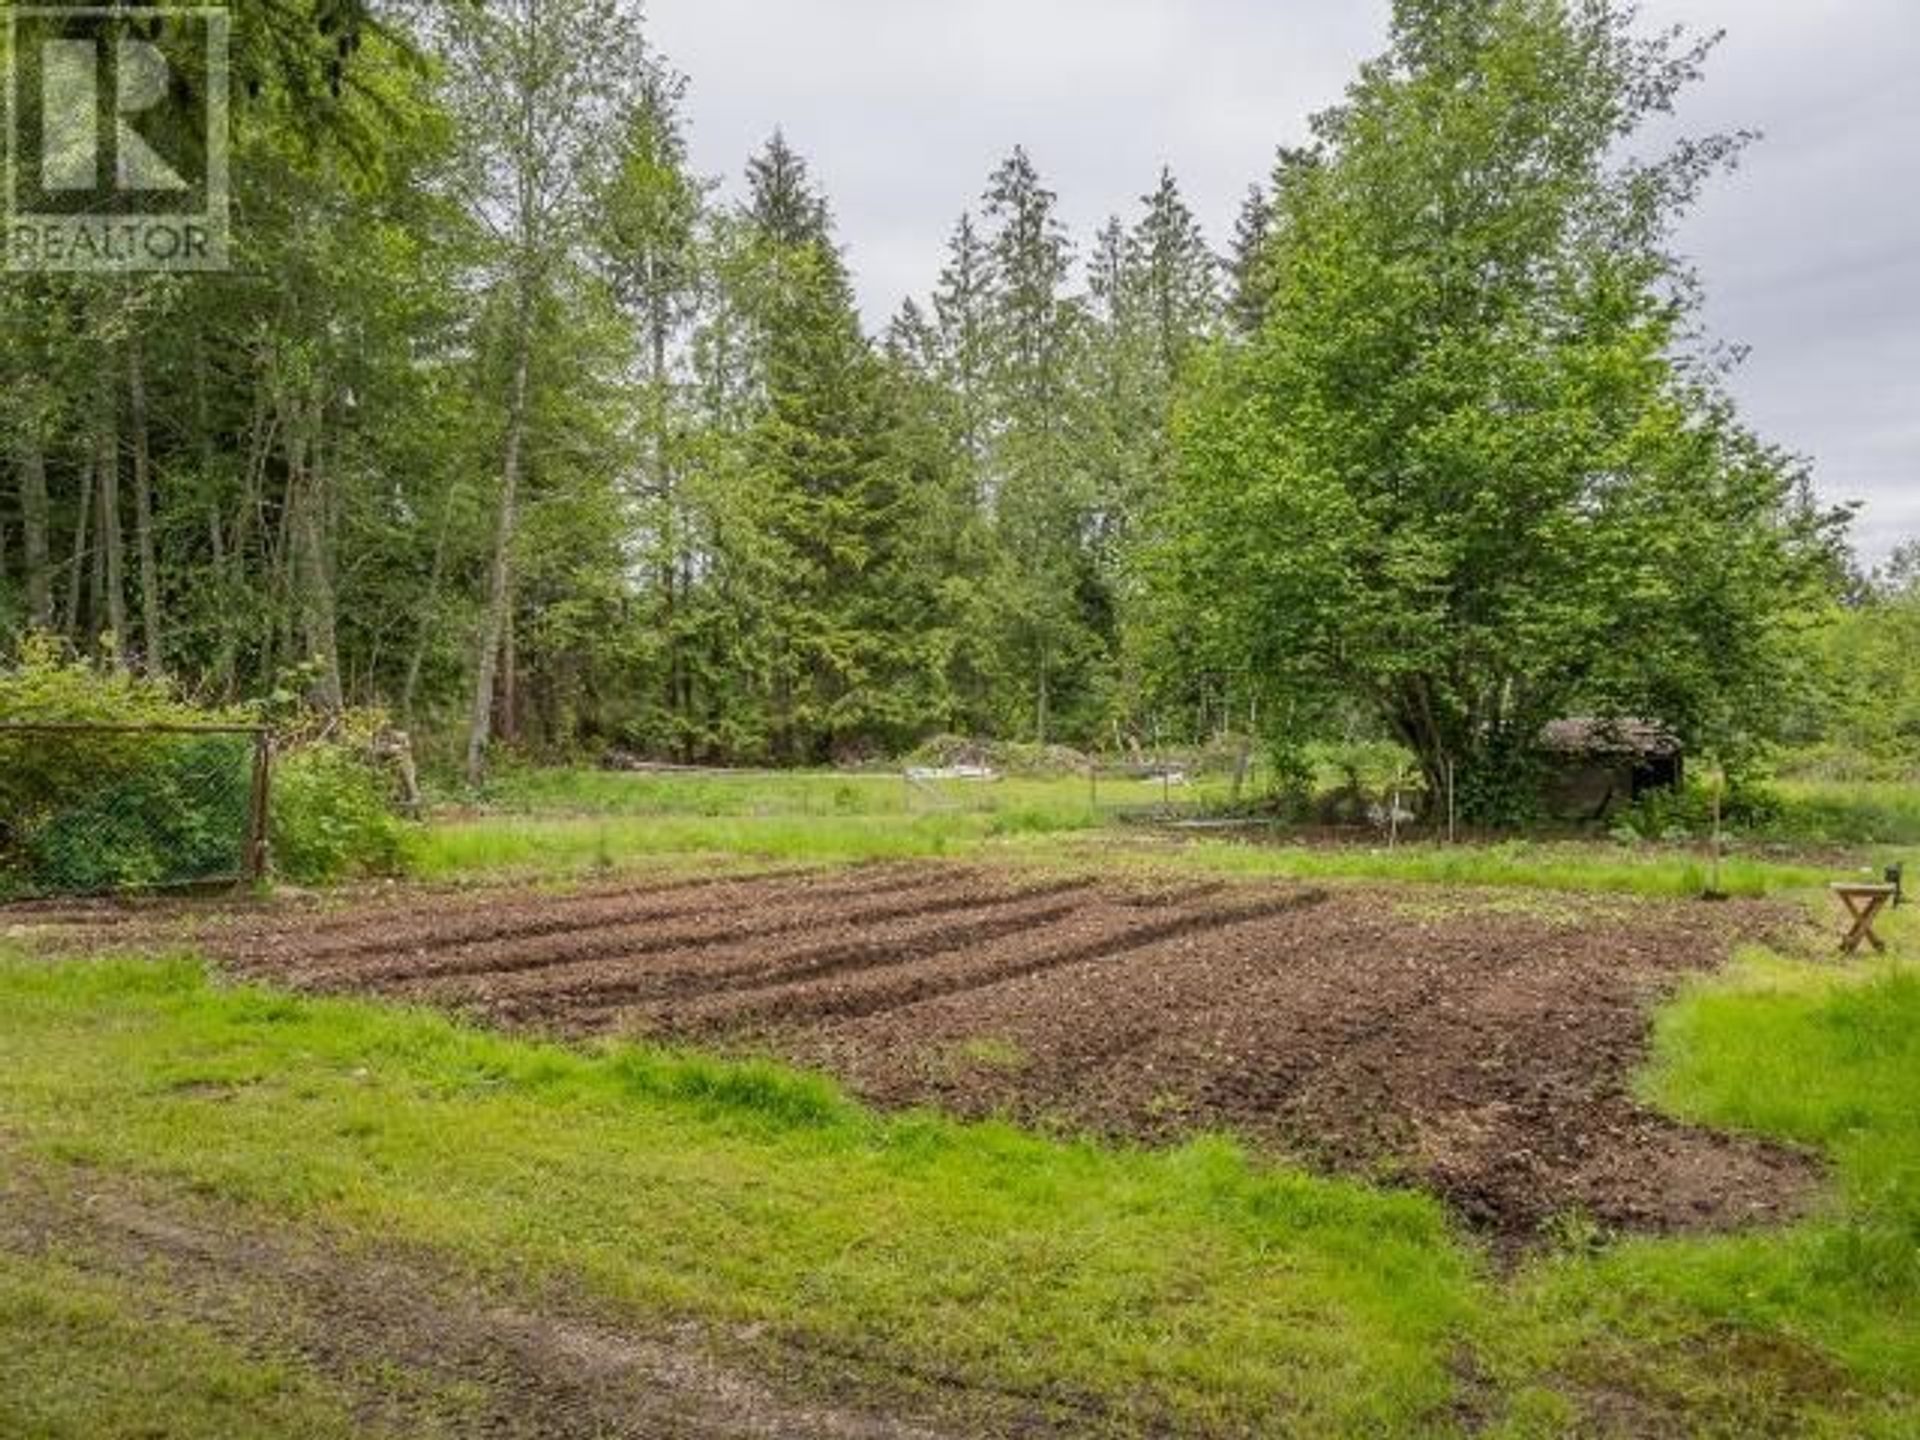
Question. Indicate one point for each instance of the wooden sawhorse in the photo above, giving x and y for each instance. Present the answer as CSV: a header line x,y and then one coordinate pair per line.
x,y
1864,903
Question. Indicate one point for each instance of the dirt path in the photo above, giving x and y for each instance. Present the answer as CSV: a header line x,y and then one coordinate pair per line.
x,y
418,1349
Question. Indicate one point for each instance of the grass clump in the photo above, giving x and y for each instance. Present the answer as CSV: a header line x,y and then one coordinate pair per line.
x,y
1848,812
1528,865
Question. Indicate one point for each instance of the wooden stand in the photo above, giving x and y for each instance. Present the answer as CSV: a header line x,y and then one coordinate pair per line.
x,y
1864,903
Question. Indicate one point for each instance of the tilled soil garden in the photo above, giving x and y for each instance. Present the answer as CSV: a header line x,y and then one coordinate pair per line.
x,y
1480,1046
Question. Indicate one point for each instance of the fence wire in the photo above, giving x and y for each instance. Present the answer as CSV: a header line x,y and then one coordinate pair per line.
x,y
89,810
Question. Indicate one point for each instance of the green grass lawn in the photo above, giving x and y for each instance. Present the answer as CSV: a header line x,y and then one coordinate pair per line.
x,y
1188,1286
554,846
1065,800
565,823
83,1357
1194,1288
1849,812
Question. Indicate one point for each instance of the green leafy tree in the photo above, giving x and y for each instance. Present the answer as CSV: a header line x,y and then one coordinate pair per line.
x,y
1048,602
1866,723
1470,472
541,90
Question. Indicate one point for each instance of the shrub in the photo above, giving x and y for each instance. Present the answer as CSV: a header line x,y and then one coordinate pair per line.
x,y
178,813
88,811
1687,813
331,816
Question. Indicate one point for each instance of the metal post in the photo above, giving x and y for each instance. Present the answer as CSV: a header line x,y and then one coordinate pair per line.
x,y
1452,836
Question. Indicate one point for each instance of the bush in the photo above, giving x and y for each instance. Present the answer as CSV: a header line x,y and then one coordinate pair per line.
x,y
90,811
86,811
331,816
178,813
1687,813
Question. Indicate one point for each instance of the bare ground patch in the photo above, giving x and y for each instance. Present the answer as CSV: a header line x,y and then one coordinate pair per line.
x,y
1454,1040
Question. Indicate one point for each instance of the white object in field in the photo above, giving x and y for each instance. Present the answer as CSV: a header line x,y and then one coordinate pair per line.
x,y
1384,816
953,772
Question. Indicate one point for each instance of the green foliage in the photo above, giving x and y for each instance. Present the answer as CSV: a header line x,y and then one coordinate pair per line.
x,y
1689,812
162,810
1866,725
46,684
93,811
1445,455
331,816
1885,812
1470,473
90,811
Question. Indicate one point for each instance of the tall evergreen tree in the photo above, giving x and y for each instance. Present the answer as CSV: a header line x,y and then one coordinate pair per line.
x,y
1246,290
1050,603
840,505
964,328
651,235
1178,275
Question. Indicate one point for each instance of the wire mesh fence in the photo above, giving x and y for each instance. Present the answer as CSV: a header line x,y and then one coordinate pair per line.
x,y
93,809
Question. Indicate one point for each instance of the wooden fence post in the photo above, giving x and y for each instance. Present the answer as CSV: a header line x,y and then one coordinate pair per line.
x,y
258,807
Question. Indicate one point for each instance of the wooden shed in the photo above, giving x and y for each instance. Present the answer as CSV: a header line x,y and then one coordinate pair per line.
x,y
1597,764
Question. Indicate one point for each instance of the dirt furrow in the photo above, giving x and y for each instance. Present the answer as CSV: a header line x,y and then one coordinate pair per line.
x,y
918,981
649,933
680,981
1480,1044
678,1002
523,917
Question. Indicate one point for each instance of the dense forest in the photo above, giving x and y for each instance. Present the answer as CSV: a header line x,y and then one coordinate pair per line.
x,y
509,423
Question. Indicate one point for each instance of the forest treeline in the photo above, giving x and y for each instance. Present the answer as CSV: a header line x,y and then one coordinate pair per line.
x,y
508,421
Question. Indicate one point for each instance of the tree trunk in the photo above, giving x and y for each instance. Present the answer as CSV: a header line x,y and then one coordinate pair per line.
x,y
1041,701
312,564
77,567
423,633
107,468
509,724
500,580
33,522
248,523
143,513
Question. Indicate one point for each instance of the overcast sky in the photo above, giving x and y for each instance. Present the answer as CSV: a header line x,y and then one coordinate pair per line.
x,y
1811,253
